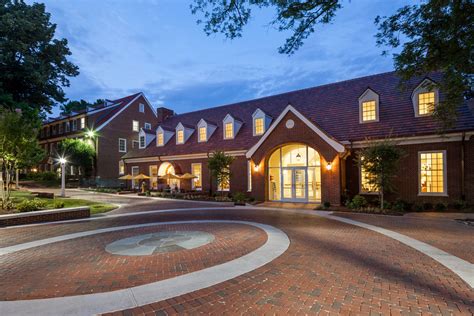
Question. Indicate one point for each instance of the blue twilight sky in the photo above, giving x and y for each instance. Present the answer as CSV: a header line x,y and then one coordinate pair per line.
x,y
155,46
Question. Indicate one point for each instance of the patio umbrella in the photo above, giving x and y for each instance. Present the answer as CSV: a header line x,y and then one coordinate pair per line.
x,y
126,177
169,176
141,176
187,176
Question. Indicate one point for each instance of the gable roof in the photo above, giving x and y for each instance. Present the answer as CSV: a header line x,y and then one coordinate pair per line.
x,y
334,108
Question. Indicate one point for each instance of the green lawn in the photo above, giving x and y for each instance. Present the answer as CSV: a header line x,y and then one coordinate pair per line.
x,y
96,207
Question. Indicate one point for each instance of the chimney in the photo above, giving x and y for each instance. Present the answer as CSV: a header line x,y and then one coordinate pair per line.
x,y
163,113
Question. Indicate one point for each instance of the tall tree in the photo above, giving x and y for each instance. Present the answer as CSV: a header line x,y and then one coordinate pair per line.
x,y
79,153
380,160
436,35
34,65
76,106
219,167
18,148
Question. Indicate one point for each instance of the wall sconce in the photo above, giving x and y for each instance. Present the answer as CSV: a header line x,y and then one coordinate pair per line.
x,y
328,166
256,168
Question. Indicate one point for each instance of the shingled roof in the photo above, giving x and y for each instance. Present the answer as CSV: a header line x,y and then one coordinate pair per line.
x,y
333,107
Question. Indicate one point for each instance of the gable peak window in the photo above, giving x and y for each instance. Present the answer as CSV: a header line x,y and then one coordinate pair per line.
x,y
141,107
425,98
369,106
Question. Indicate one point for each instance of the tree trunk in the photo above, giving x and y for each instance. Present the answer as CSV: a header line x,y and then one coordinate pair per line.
x,y
381,199
17,185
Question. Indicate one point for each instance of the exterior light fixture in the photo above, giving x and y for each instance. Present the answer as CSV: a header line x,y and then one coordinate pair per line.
x,y
63,162
298,157
90,134
256,167
328,166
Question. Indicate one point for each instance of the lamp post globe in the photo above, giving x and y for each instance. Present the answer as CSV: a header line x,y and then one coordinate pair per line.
x,y
63,162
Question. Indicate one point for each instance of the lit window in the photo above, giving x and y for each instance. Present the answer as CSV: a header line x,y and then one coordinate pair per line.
x,y
142,107
83,122
369,111
180,137
426,102
259,126
161,139
223,184
121,167
432,172
229,131
202,134
135,126
196,170
147,126
122,145
366,181
142,141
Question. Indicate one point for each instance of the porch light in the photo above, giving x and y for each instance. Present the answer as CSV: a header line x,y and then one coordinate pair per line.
x,y
298,157
328,166
256,167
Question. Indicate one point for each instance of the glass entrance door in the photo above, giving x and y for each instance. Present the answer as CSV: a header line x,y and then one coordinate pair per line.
x,y
294,185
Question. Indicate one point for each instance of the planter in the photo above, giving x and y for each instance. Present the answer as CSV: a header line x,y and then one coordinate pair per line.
x,y
45,216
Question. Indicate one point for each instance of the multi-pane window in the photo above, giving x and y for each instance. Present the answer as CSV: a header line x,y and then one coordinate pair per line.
x,y
369,111
366,181
432,172
228,130
121,167
83,122
142,141
426,103
202,134
147,126
196,170
142,107
180,137
223,184
135,126
74,125
122,145
259,128
161,139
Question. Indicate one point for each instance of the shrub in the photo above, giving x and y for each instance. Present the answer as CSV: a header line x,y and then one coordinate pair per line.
x,y
418,208
357,202
427,206
30,205
440,207
326,205
387,205
48,176
239,197
58,204
402,206
459,204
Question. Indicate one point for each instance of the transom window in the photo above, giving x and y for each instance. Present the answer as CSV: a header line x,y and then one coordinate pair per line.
x,y
432,172
161,139
135,126
180,137
426,103
369,111
259,126
229,131
202,134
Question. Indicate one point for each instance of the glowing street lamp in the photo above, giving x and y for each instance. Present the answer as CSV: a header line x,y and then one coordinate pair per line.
x,y
62,162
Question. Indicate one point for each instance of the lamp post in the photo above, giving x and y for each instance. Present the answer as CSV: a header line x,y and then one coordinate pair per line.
x,y
92,136
63,161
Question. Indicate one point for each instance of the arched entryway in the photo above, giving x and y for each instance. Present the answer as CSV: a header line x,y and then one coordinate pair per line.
x,y
294,174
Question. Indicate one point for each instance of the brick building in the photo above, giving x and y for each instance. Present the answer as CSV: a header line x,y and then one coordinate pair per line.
x,y
301,146
112,128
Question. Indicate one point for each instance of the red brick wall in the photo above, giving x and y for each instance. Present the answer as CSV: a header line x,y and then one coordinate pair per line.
x,y
469,170
40,218
406,180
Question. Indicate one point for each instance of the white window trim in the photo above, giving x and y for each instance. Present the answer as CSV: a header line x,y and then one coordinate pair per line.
x,y
140,141
131,172
121,164
157,139
266,121
445,174
133,126
82,122
125,140
233,128
192,182
177,138
147,125
255,126
199,134
421,88
367,96
249,176
141,108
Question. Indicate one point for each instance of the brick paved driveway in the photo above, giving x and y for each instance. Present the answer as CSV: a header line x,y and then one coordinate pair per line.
x,y
329,268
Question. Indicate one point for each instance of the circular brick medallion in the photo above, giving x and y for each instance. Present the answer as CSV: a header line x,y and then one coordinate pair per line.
x,y
162,242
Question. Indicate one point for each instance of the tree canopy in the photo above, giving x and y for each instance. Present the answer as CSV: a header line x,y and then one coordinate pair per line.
x,y
76,106
435,35
34,65
78,153
219,166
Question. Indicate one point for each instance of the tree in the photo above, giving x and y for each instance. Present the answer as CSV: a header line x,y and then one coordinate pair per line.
x,y
219,166
79,153
76,106
380,160
33,64
435,36
18,148
230,16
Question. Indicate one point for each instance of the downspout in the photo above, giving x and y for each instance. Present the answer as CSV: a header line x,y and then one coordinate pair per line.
x,y
463,145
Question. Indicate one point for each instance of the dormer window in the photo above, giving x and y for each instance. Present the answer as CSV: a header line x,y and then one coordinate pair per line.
x,y
229,131
425,97
180,137
160,141
261,122
369,107
231,126
205,130
202,134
